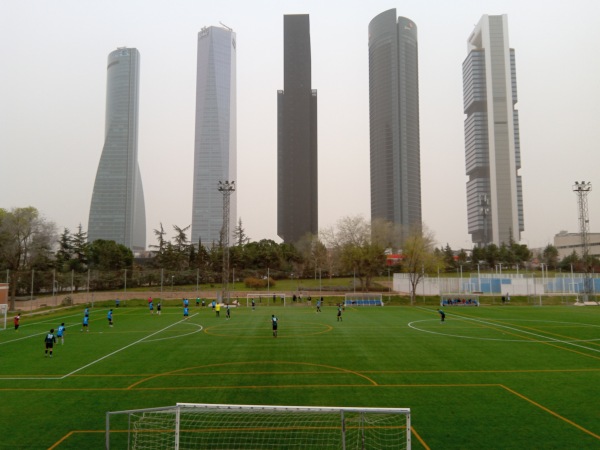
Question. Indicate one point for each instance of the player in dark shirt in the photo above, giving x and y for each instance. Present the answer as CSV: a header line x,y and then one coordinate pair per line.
x,y
49,340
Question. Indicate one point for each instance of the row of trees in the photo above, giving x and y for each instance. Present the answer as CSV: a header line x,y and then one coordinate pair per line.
x,y
354,247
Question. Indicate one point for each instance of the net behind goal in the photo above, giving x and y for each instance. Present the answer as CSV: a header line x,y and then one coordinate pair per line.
x,y
192,426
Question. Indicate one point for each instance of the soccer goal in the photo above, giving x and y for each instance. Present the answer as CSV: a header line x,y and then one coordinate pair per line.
x,y
3,313
363,299
266,299
192,426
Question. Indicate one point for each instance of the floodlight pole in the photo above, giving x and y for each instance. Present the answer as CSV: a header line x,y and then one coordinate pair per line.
x,y
582,189
226,188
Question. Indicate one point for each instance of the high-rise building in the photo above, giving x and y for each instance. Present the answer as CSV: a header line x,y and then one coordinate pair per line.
x,y
394,121
215,145
117,211
297,184
492,150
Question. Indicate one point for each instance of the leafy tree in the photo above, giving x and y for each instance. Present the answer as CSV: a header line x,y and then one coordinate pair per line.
x,y
448,255
108,255
79,249
419,257
239,234
62,256
25,243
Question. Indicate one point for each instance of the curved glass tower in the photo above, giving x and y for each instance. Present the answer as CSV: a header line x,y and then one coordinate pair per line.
x,y
394,121
216,140
117,212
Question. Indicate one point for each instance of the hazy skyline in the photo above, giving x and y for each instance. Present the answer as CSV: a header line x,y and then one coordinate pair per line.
x,y
53,92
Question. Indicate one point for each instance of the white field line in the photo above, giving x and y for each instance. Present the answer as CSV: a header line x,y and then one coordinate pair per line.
x,y
124,348
99,359
541,336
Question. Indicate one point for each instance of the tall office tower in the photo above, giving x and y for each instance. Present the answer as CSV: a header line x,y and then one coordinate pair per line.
x,y
216,140
117,211
394,121
297,184
492,151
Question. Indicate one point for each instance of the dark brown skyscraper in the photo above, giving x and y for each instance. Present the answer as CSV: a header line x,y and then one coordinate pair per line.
x,y
297,187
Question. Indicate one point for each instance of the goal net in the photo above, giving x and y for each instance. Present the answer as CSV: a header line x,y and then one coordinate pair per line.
x,y
363,299
192,426
266,299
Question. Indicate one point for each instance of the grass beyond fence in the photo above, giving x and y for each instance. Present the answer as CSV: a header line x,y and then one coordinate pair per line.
x,y
493,377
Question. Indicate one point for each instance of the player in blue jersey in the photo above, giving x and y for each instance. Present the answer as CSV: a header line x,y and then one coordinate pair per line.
x,y
86,320
60,333
49,340
109,317
186,312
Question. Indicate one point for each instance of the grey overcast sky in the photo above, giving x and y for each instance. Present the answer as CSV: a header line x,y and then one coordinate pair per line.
x,y
53,86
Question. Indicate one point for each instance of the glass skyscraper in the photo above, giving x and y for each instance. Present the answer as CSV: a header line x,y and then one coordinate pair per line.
x,y
297,183
394,121
492,150
215,142
117,211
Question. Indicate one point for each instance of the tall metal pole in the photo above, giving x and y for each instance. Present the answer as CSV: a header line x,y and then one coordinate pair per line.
x,y
226,188
582,189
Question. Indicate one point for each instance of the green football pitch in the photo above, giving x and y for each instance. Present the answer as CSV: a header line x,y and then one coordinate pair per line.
x,y
493,377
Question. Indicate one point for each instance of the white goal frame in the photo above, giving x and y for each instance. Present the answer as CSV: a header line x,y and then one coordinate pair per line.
x,y
363,299
4,312
267,299
263,427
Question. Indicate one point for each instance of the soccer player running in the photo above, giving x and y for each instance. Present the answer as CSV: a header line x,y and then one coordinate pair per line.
x,y
49,340
274,323
16,320
60,333
109,317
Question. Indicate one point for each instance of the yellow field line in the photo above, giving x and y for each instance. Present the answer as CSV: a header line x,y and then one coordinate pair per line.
x,y
564,419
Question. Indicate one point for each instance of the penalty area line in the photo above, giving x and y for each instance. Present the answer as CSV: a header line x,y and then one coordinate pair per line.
x,y
123,348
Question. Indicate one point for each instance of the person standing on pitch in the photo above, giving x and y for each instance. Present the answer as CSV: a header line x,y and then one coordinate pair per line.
x,y
61,333
339,314
442,315
109,317
49,340
274,323
228,313
16,320
158,308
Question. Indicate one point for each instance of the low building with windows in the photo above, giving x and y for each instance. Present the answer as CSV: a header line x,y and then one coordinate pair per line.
x,y
566,243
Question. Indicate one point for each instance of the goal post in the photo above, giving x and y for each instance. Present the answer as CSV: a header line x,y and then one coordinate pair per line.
x,y
3,315
266,299
363,299
191,426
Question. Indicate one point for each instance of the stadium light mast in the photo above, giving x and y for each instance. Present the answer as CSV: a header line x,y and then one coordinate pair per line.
x,y
226,188
582,189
